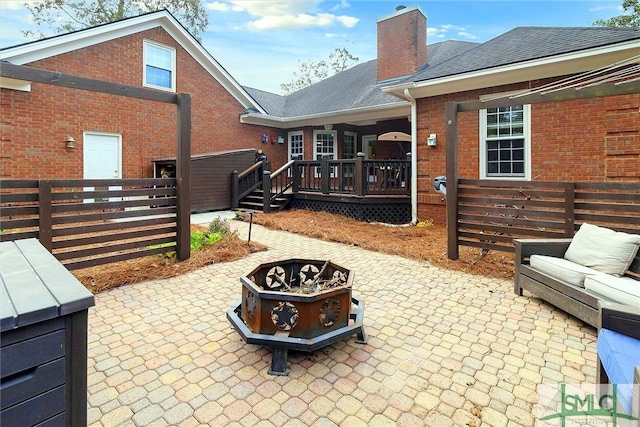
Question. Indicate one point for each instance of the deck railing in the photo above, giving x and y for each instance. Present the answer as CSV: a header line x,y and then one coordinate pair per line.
x,y
356,177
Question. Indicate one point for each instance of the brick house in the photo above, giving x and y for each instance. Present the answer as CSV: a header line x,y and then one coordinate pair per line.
x,y
122,135
404,90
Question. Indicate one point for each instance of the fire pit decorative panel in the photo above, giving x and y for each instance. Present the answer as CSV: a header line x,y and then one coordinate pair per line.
x,y
297,304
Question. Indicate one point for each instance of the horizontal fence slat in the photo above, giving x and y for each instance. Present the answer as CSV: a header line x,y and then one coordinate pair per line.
x,y
104,216
124,204
9,237
13,224
27,198
120,225
77,265
120,247
128,182
113,194
18,183
128,235
11,211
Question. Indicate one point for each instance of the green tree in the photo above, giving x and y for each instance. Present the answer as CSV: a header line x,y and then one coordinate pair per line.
x,y
631,17
311,72
72,15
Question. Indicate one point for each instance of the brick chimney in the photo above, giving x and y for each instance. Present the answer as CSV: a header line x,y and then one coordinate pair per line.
x,y
402,42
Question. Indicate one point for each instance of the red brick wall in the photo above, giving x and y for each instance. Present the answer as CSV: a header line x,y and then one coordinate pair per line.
x,y
35,124
583,140
402,44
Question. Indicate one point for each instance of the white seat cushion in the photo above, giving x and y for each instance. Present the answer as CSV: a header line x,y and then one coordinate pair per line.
x,y
562,269
623,290
603,249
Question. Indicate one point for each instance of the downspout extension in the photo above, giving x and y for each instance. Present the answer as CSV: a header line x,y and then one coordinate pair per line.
x,y
414,156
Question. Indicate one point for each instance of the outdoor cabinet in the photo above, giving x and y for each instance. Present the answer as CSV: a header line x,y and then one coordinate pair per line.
x,y
43,339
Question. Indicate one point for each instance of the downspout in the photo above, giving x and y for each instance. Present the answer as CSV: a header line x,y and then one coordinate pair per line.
x,y
414,156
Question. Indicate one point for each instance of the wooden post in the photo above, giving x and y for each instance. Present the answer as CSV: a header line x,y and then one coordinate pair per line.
x,y
296,177
359,175
235,199
569,209
183,177
266,191
451,136
324,176
45,221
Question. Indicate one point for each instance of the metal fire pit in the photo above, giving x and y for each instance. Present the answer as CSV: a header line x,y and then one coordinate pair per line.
x,y
297,304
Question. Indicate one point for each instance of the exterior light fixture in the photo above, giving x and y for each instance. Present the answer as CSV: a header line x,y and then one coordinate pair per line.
x,y
70,142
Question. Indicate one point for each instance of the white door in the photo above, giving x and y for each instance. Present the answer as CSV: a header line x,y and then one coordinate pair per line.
x,y
102,157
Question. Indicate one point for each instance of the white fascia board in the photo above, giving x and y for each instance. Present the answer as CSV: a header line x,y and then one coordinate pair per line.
x,y
15,84
555,66
30,52
357,115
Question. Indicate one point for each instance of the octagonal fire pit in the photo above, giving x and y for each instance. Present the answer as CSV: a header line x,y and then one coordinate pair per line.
x,y
297,304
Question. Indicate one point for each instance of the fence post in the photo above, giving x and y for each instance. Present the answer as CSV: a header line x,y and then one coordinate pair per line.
x,y
569,209
235,202
358,175
45,220
183,177
324,176
266,191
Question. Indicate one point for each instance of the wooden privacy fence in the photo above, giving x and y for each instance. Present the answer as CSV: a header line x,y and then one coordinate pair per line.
x,y
92,222
490,214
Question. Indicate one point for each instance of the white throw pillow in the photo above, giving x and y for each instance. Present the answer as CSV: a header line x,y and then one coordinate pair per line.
x,y
603,249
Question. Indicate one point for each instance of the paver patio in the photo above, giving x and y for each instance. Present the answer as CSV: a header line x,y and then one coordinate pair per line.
x,y
445,348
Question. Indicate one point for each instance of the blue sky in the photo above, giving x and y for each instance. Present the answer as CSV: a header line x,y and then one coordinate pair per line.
x,y
262,42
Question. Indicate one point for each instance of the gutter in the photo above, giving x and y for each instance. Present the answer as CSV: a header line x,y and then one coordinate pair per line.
x,y
414,156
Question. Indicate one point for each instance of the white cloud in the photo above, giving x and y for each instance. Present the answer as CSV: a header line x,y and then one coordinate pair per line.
x,y
275,15
443,31
11,4
218,6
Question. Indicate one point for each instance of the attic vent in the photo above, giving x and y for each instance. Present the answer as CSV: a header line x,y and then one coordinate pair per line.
x,y
400,7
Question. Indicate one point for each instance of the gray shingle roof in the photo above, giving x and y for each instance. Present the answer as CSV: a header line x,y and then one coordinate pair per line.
x,y
525,44
358,87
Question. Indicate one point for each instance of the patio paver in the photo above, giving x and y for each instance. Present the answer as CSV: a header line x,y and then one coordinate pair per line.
x,y
445,348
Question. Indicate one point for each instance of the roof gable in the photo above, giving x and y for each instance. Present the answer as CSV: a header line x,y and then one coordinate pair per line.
x,y
69,42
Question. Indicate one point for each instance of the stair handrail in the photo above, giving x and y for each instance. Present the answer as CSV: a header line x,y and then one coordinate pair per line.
x,y
282,185
245,182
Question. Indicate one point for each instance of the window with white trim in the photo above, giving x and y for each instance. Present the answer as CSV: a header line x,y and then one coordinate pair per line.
x,y
296,145
159,66
324,144
349,149
505,142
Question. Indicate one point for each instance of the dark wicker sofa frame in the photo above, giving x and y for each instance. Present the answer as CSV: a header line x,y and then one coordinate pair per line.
x,y
574,300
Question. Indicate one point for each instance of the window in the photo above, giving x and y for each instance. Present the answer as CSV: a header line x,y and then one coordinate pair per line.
x,y
324,145
504,142
296,145
349,149
159,66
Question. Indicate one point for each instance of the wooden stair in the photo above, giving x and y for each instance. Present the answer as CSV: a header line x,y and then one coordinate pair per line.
x,y
254,202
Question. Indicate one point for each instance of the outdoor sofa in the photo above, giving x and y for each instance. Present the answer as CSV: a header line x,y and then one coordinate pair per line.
x,y
597,264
